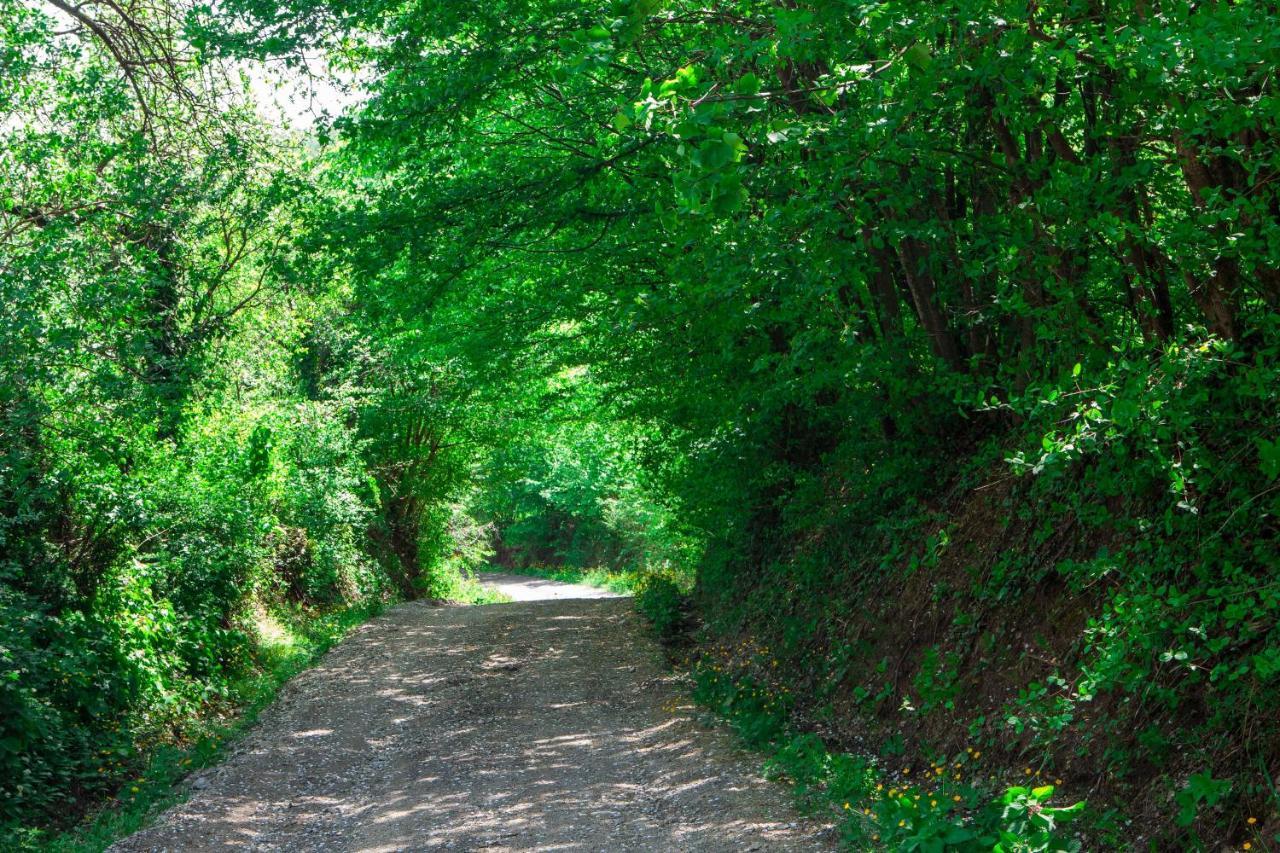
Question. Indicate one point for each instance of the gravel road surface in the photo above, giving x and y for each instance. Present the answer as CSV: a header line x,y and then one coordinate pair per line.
x,y
547,724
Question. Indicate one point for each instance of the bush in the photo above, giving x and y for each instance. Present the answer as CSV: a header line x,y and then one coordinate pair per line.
x,y
661,600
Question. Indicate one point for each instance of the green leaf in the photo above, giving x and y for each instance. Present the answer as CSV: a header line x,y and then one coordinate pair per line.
x,y
748,84
918,57
1268,457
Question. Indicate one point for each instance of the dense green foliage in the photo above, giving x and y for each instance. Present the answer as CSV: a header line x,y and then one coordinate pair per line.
x,y
936,343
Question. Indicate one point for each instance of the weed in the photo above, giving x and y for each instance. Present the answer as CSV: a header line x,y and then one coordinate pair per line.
x,y
942,809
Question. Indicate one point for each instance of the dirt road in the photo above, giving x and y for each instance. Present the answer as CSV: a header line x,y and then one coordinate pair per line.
x,y
547,724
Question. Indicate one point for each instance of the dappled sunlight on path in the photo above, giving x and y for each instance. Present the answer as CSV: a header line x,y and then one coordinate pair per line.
x,y
542,725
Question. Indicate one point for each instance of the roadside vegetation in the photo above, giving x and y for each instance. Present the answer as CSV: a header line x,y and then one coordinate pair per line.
x,y
143,782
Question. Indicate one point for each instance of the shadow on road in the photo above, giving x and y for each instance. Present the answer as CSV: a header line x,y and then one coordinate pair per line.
x,y
544,725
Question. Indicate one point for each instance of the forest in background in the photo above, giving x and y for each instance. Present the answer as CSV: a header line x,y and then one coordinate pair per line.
x,y
923,356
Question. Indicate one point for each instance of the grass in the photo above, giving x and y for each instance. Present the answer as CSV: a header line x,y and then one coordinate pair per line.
x,y
620,582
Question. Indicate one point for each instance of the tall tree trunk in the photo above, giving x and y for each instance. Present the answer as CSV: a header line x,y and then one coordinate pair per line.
x,y
1215,294
924,297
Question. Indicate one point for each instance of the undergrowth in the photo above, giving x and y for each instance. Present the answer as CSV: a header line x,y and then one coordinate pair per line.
x,y
452,582
289,640
663,599
947,802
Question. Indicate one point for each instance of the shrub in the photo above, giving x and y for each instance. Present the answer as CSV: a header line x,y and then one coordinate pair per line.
x,y
660,599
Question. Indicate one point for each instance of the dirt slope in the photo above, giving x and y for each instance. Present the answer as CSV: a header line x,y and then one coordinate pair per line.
x,y
547,724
